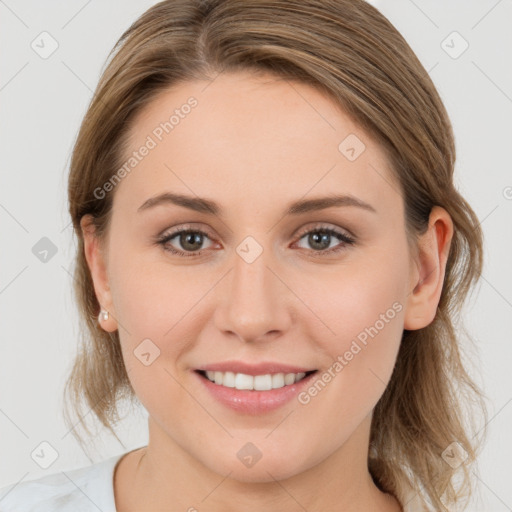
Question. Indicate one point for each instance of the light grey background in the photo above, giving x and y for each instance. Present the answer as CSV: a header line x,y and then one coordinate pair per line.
x,y
42,103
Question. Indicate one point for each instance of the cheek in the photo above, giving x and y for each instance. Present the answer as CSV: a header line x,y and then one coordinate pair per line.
x,y
355,298
157,308
152,298
157,328
368,324
363,308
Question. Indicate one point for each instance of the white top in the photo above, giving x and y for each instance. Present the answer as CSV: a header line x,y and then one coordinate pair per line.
x,y
86,489
89,488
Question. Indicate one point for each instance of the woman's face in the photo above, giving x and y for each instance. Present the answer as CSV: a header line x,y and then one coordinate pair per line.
x,y
260,281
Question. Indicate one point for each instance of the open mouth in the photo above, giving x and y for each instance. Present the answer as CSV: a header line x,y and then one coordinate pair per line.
x,y
246,382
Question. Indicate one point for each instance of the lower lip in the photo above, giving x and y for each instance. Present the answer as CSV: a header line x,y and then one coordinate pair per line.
x,y
254,402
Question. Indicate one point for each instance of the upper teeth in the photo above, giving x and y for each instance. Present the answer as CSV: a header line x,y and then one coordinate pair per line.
x,y
256,382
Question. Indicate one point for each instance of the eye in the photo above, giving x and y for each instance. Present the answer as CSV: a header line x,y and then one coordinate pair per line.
x,y
188,239
321,237
191,240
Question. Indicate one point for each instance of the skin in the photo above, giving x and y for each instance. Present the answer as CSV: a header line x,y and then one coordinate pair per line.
x,y
254,144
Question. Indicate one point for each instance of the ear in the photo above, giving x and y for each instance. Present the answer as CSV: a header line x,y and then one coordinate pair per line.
x,y
427,275
97,263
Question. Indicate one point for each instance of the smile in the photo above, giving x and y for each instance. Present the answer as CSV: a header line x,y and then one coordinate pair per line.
x,y
253,394
264,382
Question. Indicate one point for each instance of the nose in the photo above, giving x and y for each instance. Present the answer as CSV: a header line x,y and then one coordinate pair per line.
x,y
254,302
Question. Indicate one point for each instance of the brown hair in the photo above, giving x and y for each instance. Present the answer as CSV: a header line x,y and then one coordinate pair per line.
x,y
351,52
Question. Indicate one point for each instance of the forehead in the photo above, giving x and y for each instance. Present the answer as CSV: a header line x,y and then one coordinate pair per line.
x,y
243,137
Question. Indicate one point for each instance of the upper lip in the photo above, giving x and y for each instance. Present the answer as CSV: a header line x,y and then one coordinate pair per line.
x,y
254,369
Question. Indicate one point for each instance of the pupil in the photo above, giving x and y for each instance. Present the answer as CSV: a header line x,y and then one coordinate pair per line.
x,y
188,240
321,239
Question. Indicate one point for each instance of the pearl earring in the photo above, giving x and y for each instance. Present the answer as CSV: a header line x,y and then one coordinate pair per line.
x,y
103,315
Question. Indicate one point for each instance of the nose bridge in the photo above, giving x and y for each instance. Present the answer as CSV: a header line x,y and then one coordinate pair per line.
x,y
254,304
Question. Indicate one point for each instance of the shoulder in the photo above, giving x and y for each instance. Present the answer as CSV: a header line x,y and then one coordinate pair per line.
x,y
82,489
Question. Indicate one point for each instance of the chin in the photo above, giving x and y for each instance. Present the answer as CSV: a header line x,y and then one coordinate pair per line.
x,y
251,465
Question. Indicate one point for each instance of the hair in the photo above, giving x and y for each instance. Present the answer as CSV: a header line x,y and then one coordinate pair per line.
x,y
348,50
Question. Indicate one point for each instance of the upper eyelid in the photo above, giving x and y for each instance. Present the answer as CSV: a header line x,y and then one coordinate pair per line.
x,y
327,226
185,227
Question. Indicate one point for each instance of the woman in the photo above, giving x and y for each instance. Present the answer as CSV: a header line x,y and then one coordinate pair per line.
x,y
271,254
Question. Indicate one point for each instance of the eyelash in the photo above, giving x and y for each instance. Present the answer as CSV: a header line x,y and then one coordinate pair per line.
x,y
344,238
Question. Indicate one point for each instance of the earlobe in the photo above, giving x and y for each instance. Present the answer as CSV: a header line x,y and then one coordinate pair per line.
x,y
427,280
97,267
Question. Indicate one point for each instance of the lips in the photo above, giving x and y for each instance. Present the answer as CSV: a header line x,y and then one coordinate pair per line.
x,y
253,401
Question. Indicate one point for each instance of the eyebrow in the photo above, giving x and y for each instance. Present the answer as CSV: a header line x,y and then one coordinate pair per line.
x,y
208,206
